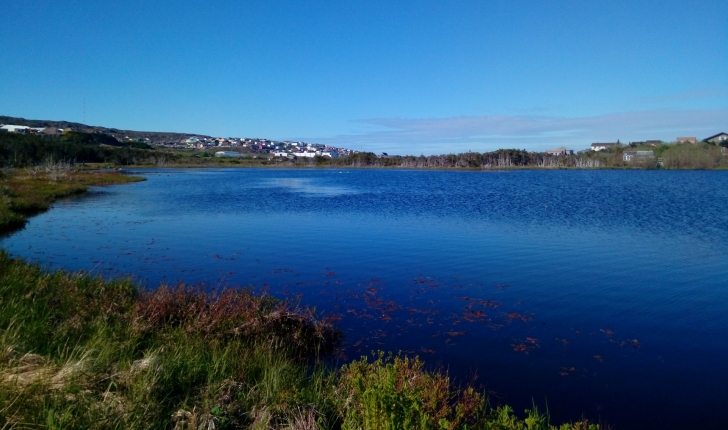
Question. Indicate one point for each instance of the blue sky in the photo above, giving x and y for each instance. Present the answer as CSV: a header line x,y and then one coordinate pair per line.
x,y
424,77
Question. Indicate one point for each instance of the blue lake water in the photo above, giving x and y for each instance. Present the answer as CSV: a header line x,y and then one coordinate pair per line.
x,y
601,293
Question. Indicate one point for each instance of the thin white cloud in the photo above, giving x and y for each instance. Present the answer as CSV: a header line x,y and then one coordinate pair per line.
x,y
532,132
687,95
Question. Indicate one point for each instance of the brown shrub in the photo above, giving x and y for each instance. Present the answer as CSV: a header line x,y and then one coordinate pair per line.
x,y
234,313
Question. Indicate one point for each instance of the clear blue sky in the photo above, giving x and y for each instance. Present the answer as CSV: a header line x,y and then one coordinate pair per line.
x,y
400,77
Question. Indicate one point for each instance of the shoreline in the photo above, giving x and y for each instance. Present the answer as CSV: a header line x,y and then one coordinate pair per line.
x,y
347,167
66,336
25,194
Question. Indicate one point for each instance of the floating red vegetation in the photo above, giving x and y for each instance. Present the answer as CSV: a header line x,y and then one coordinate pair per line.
x,y
519,347
455,333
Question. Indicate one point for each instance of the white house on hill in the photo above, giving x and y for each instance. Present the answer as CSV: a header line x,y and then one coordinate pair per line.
x,y
602,146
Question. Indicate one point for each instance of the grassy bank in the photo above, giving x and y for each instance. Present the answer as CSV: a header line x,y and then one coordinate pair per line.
x,y
26,192
81,352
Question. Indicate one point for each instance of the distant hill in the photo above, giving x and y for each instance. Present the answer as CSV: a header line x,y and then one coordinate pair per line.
x,y
153,136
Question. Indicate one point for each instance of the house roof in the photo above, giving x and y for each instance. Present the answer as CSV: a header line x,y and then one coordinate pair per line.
x,y
715,135
603,144
51,130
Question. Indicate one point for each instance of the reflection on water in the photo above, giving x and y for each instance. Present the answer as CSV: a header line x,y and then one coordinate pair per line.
x,y
602,292
305,186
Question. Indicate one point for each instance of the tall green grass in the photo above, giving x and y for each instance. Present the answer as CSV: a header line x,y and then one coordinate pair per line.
x,y
79,351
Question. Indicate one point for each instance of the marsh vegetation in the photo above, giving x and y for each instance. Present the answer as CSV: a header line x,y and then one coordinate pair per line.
x,y
28,191
81,352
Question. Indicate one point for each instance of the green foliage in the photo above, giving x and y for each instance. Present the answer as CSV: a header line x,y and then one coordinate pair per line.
x,y
692,156
84,352
20,150
394,392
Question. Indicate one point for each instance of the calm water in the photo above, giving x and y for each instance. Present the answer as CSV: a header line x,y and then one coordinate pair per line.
x,y
603,293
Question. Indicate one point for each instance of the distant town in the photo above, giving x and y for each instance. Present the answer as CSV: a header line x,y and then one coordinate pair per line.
x,y
244,146
239,146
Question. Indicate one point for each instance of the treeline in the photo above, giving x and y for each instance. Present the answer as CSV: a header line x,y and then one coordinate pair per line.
x,y
671,156
692,156
22,150
502,158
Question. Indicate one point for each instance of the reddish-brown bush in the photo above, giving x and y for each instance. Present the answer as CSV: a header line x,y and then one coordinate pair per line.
x,y
234,313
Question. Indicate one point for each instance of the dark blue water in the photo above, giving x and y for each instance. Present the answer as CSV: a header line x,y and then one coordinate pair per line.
x,y
602,293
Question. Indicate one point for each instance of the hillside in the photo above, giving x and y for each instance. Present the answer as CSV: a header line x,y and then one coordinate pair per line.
x,y
155,137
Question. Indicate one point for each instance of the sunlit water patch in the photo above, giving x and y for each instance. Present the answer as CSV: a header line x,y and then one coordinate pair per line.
x,y
600,292
306,186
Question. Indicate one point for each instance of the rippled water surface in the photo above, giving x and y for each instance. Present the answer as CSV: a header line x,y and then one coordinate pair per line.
x,y
603,293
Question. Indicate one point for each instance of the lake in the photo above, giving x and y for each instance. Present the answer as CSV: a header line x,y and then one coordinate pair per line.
x,y
602,293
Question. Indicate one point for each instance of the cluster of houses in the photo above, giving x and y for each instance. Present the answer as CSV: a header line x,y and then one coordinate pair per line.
x,y
286,149
235,147
719,139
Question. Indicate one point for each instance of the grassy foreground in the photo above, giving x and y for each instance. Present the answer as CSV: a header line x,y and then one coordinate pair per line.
x,y
81,352
78,351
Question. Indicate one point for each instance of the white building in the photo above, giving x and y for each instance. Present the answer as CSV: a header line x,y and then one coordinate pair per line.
x,y
560,151
637,155
232,154
718,139
15,128
602,146
304,154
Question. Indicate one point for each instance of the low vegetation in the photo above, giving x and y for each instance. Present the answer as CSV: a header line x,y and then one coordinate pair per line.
x,y
78,351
